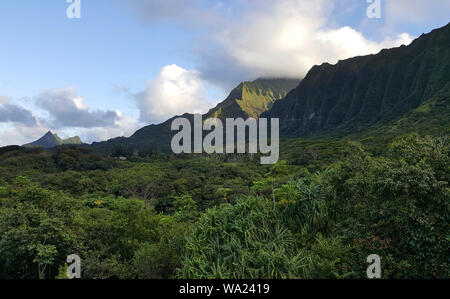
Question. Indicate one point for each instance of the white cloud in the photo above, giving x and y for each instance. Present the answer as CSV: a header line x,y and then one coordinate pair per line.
x,y
288,37
176,91
243,40
346,42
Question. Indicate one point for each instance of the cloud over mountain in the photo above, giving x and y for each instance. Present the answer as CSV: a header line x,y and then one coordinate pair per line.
x,y
241,40
286,38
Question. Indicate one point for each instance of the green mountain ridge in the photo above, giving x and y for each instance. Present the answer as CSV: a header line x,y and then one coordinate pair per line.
x,y
358,93
248,99
396,91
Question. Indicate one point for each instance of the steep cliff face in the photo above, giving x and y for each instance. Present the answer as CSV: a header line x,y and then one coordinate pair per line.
x,y
250,99
362,91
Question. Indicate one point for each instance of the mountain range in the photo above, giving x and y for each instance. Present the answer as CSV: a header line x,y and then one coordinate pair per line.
x,y
248,99
400,89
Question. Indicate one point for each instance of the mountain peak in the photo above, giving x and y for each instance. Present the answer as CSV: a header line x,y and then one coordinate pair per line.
x,y
252,98
50,140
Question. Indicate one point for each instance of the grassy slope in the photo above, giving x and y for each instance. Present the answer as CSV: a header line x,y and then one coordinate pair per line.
x,y
250,99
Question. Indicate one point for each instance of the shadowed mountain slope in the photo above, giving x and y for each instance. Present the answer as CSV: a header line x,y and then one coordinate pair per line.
x,y
248,99
360,92
397,90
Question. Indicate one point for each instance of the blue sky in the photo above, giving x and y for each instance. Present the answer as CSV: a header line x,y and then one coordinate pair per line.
x,y
108,46
125,64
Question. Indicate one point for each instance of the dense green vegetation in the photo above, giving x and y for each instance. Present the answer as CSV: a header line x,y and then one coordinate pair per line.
x,y
165,216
